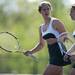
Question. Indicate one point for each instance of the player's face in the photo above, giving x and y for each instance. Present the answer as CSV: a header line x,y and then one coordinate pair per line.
x,y
45,10
72,13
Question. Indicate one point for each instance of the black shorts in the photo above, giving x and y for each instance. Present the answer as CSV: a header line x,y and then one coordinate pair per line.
x,y
55,55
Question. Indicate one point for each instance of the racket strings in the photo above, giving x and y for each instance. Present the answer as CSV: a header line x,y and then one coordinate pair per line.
x,y
68,41
8,42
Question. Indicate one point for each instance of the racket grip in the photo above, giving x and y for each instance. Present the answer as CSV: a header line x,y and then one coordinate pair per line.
x,y
31,55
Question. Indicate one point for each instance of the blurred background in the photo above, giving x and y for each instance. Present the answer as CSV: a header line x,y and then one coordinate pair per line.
x,y
21,17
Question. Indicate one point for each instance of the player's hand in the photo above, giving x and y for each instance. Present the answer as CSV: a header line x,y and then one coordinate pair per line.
x,y
27,53
66,57
72,58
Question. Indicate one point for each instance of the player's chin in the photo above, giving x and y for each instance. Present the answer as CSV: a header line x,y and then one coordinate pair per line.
x,y
46,15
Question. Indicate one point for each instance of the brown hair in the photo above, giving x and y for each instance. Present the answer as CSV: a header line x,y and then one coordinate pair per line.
x,y
44,2
73,6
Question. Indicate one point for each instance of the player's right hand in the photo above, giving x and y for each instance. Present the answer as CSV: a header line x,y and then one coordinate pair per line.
x,y
27,53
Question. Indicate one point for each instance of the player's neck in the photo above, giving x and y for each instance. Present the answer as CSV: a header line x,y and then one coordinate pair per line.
x,y
47,20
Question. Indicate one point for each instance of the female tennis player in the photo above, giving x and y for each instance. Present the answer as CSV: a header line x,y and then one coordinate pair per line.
x,y
49,30
72,14
72,57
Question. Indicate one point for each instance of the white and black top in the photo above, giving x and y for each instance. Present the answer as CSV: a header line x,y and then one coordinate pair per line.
x,y
50,32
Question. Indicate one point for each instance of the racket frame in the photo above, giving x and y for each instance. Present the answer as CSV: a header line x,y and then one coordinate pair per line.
x,y
59,41
13,37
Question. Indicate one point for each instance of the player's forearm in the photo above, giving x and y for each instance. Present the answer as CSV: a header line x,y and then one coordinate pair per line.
x,y
36,48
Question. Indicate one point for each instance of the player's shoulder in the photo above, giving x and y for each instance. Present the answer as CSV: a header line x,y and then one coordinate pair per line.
x,y
41,25
55,20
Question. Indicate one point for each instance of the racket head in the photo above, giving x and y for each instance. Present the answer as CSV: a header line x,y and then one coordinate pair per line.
x,y
68,40
9,42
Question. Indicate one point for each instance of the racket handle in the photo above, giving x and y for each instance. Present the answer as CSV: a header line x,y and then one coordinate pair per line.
x,y
33,57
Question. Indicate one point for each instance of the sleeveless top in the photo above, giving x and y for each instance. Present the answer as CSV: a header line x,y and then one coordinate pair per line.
x,y
50,32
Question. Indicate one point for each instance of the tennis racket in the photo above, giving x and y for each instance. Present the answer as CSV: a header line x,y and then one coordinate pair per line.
x,y
10,43
68,40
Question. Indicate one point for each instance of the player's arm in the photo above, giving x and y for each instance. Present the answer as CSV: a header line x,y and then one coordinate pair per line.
x,y
59,26
39,46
